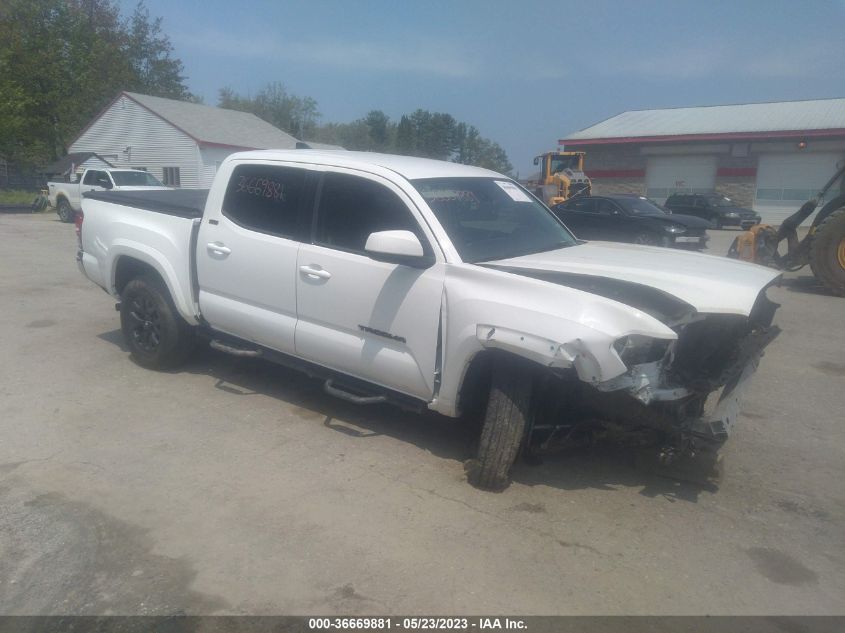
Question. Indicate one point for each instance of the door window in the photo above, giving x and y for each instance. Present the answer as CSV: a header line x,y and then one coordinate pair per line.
x,y
91,177
268,199
351,208
605,207
584,205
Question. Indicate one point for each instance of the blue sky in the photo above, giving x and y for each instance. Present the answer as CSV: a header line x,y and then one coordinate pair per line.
x,y
525,73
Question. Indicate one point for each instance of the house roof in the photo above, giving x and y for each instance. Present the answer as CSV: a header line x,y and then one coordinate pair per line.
x,y
70,160
820,117
216,126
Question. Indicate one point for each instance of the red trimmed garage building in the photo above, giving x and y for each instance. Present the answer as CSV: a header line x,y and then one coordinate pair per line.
x,y
770,157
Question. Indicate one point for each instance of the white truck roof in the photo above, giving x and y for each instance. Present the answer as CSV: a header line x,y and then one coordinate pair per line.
x,y
410,167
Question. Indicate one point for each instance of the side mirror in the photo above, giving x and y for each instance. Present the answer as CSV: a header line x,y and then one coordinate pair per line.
x,y
537,160
397,247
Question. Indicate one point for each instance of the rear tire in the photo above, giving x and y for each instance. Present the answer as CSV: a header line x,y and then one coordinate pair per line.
x,y
157,337
827,252
65,211
505,423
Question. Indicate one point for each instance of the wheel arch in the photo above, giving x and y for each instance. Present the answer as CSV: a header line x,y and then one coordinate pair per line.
x,y
475,380
129,263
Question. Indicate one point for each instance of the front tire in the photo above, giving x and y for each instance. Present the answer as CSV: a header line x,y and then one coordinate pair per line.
x,y
505,423
65,211
645,239
827,252
157,337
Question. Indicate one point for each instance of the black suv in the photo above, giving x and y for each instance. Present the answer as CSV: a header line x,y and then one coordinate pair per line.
x,y
630,218
714,207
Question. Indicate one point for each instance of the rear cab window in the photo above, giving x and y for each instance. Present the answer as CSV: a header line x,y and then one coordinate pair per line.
x,y
269,199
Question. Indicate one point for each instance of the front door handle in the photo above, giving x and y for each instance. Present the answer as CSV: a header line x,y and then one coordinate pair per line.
x,y
315,272
216,248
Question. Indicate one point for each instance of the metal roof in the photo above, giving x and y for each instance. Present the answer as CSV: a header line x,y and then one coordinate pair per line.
x,y
216,126
746,118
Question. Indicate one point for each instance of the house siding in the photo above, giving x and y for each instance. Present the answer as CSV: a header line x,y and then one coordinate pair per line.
x,y
152,143
209,157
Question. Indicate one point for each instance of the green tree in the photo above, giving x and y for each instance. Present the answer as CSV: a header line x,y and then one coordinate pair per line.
x,y
61,61
378,126
150,56
472,149
405,137
273,103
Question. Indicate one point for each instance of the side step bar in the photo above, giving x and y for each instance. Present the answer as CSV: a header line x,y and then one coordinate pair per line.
x,y
220,346
330,389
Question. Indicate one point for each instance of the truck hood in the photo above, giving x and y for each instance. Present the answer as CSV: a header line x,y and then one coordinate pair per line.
x,y
708,283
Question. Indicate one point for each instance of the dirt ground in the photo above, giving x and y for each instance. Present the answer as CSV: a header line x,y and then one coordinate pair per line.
x,y
233,486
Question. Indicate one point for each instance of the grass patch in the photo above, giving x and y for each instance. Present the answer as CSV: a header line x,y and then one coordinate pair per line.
x,y
17,196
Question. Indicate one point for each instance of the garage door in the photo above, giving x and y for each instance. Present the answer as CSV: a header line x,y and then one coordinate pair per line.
x,y
666,175
786,181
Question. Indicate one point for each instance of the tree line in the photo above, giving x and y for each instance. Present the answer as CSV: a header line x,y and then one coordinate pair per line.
x,y
62,61
421,133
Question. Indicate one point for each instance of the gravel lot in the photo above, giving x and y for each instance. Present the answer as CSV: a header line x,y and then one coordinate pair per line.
x,y
233,486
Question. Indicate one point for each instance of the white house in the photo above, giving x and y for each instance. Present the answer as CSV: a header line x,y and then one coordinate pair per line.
x,y
180,143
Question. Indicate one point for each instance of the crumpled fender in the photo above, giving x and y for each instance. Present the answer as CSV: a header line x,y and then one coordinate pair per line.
x,y
555,326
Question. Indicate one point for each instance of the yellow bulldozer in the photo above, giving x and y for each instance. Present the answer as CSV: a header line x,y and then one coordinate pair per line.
x,y
561,177
823,248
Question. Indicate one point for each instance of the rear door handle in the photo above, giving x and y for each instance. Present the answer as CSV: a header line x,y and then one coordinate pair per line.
x,y
315,272
216,248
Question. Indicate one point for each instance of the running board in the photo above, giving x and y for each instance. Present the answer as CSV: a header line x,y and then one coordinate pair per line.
x,y
330,389
234,351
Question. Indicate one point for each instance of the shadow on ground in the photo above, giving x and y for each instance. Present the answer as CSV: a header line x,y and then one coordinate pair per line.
x,y
806,284
600,467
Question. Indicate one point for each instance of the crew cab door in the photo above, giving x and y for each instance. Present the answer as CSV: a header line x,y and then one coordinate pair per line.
x,y
246,253
371,319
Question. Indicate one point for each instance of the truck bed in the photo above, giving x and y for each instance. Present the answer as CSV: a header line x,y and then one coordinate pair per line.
x,y
183,203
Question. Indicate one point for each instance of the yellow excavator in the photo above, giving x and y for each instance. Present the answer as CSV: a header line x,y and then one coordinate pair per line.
x,y
561,177
823,247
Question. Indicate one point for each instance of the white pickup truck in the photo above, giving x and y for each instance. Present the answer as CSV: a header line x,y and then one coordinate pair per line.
x,y
66,197
438,285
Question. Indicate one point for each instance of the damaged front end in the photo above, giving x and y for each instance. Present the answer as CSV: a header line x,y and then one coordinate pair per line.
x,y
683,395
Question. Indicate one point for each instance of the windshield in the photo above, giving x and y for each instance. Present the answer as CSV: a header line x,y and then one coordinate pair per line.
x,y
559,163
720,201
640,206
492,218
135,179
